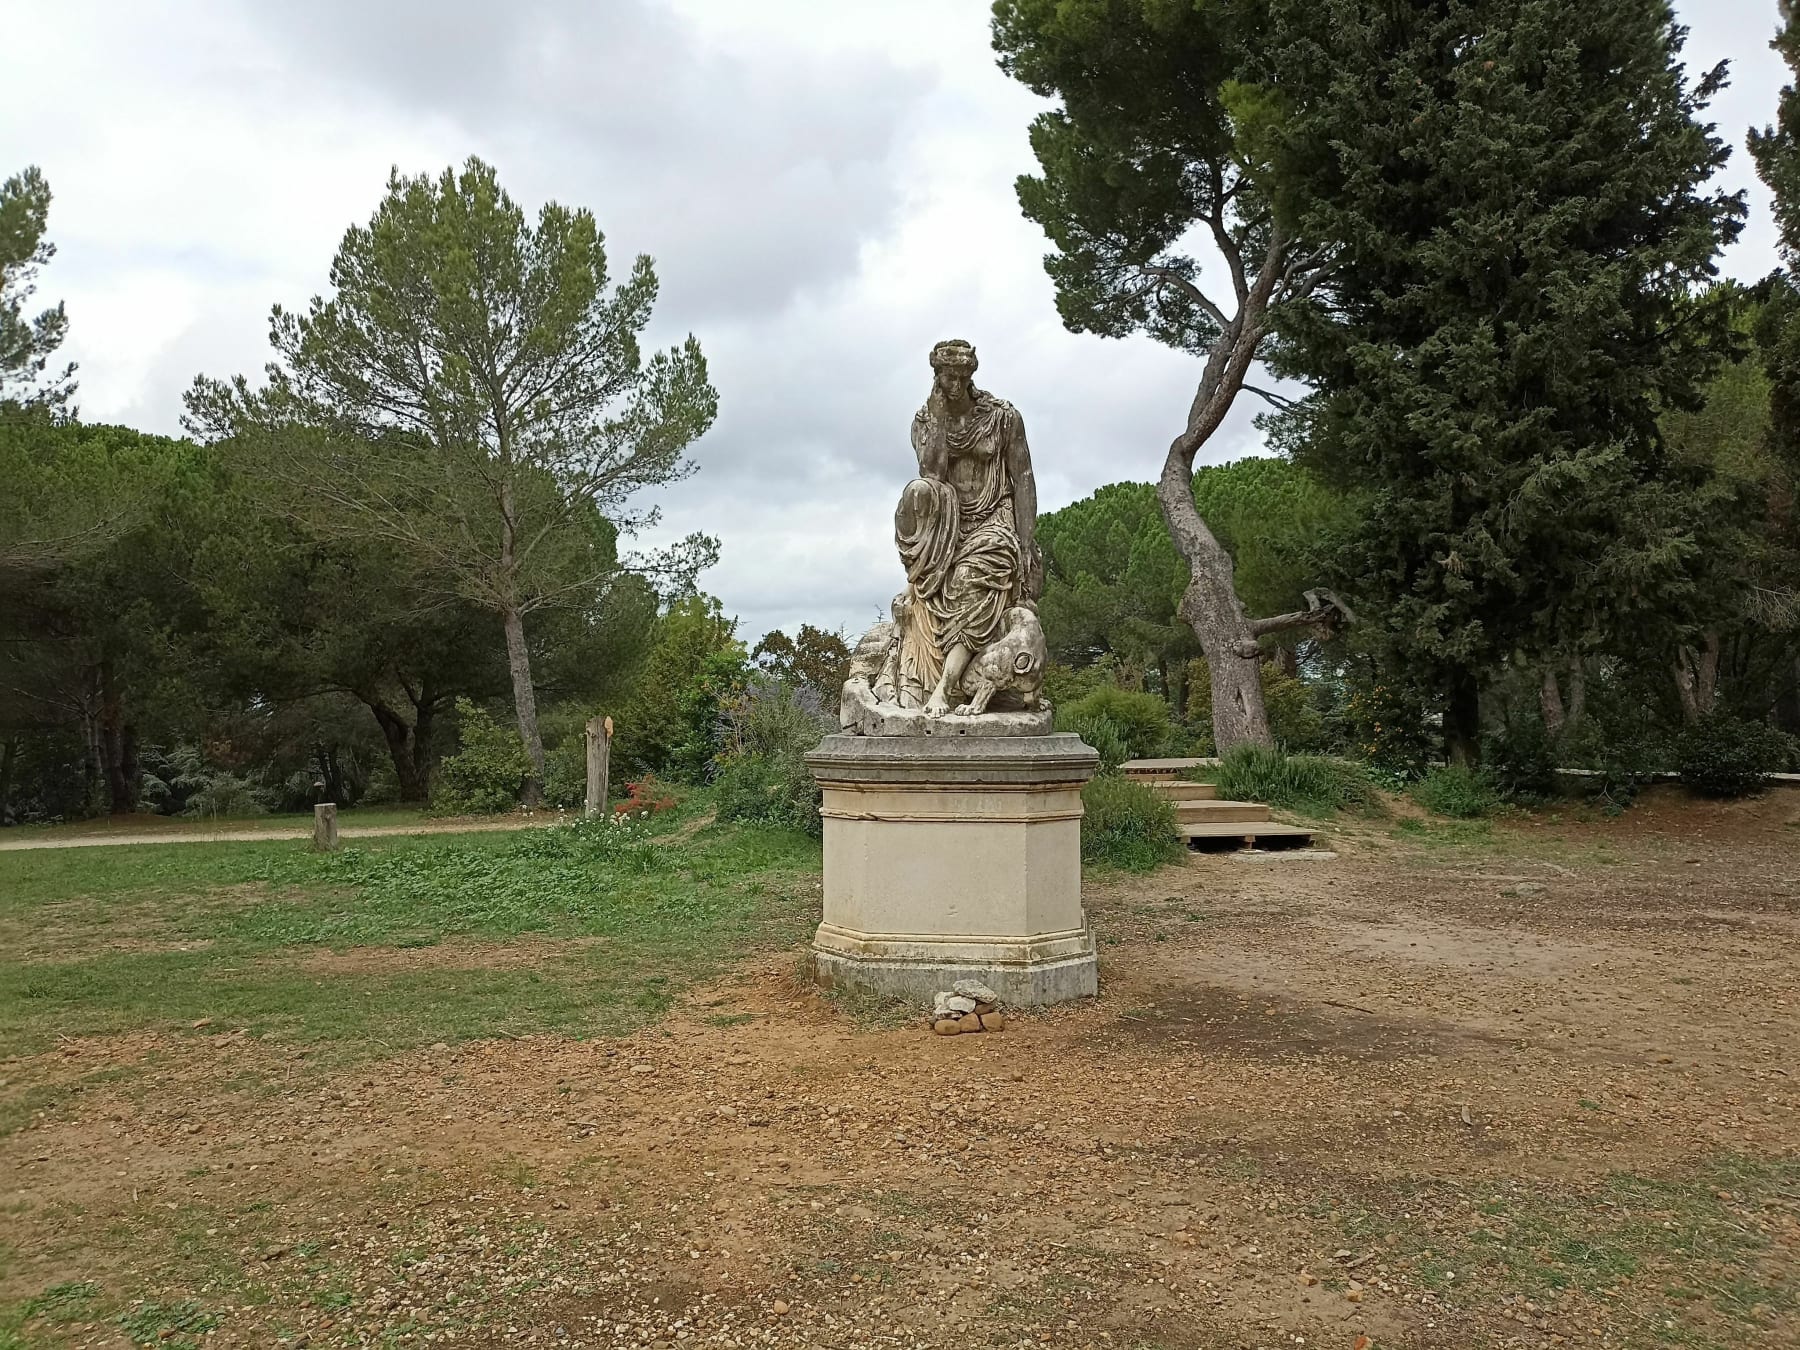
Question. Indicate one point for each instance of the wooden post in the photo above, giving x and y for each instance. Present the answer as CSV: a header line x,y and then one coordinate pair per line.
x,y
599,763
325,835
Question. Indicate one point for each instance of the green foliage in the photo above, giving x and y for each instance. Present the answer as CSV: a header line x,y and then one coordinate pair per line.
x,y
1295,719
769,726
696,664
1140,720
1314,784
487,774
1776,148
1101,733
1726,756
1490,373
565,773
815,657
1457,790
1384,718
1067,684
28,342
475,394
1126,825
1520,760
1112,579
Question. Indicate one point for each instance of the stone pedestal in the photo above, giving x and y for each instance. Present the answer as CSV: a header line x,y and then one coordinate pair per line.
x,y
954,857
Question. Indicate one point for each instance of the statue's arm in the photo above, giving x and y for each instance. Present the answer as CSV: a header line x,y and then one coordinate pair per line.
x,y
1024,498
928,442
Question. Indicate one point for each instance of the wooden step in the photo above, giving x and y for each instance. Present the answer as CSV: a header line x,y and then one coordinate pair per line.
x,y
1180,790
1248,835
1160,768
1218,812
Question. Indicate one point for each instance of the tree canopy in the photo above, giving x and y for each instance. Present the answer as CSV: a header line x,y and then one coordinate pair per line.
x,y
1492,349
474,395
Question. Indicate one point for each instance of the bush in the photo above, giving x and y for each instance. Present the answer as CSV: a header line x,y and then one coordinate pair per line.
x,y
1457,790
1127,825
1101,733
766,730
1315,784
1521,761
223,795
1725,756
488,773
1140,720
769,791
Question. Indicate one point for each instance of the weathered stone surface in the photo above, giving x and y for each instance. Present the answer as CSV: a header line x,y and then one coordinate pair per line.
x,y
860,711
976,990
952,808
964,641
946,1026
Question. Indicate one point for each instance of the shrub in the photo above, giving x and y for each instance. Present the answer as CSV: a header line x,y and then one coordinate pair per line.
x,y
565,773
769,791
1457,790
643,797
1127,825
1521,761
766,729
1725,756
225,795
487,774
1140,720
1101,733
1315,784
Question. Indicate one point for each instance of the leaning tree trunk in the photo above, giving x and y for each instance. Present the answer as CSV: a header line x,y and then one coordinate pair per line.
x,y
518,660
1210,606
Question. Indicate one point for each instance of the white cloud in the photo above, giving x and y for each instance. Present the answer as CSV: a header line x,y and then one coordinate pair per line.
x,y
827,188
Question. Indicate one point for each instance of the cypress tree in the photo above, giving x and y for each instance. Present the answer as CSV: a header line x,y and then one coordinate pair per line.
x,y
1515,193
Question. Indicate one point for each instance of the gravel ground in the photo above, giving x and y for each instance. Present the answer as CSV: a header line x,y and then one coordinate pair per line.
x,y
1521,1086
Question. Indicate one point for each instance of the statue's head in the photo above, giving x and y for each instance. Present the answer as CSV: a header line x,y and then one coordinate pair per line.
x,y
953,362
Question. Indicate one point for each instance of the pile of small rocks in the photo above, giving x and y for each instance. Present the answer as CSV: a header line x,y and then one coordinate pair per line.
x,y
968,1005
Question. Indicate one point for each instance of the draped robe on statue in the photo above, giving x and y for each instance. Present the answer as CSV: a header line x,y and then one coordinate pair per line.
x,y
959,543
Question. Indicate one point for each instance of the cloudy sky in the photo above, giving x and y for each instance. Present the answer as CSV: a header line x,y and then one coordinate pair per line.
x,y
826,188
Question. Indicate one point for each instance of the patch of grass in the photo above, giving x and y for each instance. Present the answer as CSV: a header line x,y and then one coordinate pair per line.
x,y
234,933
1316,785
871,1011
1448,833
1127,826
168,1324
730,1019
1457,791
1694,1250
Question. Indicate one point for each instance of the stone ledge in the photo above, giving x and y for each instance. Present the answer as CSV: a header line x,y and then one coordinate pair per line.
x,y
917,981
1059,757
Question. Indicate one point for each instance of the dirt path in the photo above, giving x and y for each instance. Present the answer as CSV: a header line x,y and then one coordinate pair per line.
x,y
1534,1089
253,835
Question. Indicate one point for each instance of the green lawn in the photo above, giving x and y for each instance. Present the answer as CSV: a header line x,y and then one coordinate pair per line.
x,y
361,816
586,929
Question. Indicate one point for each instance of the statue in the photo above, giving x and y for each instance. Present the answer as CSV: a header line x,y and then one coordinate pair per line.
x,y
966,530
